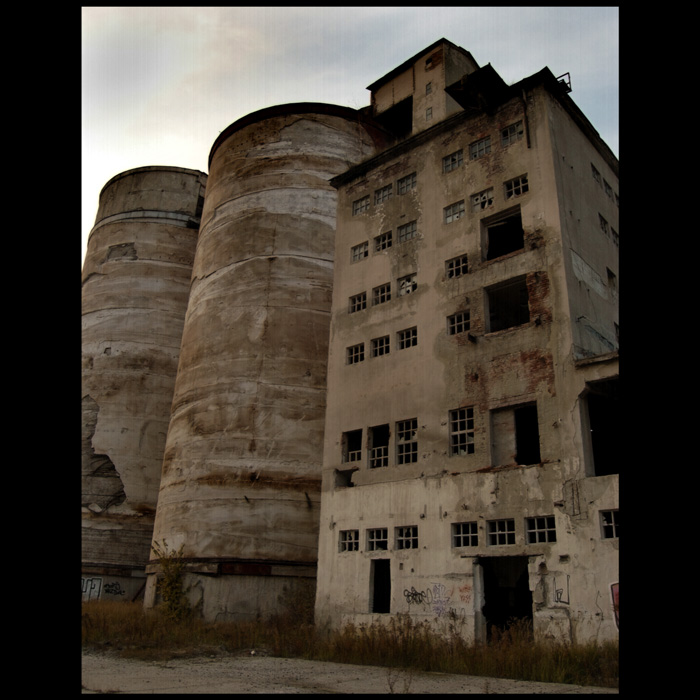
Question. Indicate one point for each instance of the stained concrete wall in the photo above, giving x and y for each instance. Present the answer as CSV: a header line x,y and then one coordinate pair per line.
x,y
135,290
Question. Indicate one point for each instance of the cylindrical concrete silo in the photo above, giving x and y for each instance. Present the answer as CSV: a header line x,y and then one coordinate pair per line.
x,y
240,488
135,287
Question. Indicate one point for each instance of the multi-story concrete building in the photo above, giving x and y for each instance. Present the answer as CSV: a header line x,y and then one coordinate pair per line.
x,y
469,470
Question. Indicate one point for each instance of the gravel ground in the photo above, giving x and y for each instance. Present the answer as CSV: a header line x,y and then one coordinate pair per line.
x,y
255,673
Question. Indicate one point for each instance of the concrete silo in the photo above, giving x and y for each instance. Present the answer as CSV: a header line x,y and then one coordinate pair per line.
x,y
240,488
135,287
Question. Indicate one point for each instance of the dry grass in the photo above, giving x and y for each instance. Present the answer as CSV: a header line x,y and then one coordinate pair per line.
x,y
131,631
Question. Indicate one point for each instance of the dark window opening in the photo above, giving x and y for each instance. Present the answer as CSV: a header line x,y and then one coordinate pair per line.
x,y
604,421
508,305
343,478
527,435
398,119
380,586
507,595
379,446
352,446
504,235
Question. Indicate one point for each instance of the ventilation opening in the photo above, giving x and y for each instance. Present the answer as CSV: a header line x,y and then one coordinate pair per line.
x,y
380,586
503,235
507,595
604,422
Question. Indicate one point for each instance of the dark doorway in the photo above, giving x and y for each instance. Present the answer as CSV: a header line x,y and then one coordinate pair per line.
x,y
507,595
604,419
380,586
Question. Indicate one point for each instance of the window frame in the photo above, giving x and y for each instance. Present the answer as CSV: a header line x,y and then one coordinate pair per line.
x,y
452,161
406,537
459,322
354,354
361,205
540,528
349,541
407,231
381,294
407,441
453,212
462,531
359,252
500,529
357,302
407,338
462,431
480,148
375,537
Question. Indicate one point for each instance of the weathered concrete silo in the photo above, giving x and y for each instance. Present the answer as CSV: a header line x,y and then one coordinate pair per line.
x,y
135,287
240,488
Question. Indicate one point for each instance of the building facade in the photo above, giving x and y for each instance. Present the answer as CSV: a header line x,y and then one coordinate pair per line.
x,y
468,475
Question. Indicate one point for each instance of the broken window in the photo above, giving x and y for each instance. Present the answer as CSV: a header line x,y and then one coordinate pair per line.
x,y
515,435
377,539
382,242
503,234
456,267
516,187
407,537
609,524
465,534
501,532
462,431
512,133
482,200
382,194
453,161
380,585
458,323
407,231
406,183
379,446
352,446
381,294
453,212
349,541
356,353
480,148
359,252
406,442
380,346
407,338
540,529
407,284
358,302
360,205
507,304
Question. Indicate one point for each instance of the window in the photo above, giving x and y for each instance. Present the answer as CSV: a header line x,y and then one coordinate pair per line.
x,y
516,187
451,162
428,88
512,133
604,227
596,174
456,267
407,338
360,205
379,446
540,529
501,532
406,183
482,200
377,539
453,212
407,231
608,189
407,284
462,431
382,194
480,148
407,537
406,443
349,541
515,435
380,346
356,353
357,303
503,234
382,242
458,323
428,114
359,252
352,446
610,524
381,294
507,304
465,535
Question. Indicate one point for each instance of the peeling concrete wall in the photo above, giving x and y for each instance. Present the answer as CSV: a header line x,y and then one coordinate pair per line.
x,y
135,291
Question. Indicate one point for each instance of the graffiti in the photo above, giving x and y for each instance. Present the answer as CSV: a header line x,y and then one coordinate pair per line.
x,y
440,599
615,593
91,588
559,592
114,589
414,597
465,593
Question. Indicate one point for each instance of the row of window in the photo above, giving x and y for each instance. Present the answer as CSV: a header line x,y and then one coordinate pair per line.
x,y
466,534
605,185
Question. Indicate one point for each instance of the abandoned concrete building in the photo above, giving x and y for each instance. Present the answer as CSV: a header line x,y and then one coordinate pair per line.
x,y
390,341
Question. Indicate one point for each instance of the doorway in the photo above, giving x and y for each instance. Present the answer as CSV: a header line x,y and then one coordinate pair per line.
x,y
380,586
507,594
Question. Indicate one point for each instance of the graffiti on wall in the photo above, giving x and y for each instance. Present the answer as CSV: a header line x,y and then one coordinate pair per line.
x,y
440,599
94,588
559,595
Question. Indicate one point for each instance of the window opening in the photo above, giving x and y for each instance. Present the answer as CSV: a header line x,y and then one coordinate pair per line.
x,y
406,183
501,532
453,161
503,235
603,413
349,541
458,323
379,446
359,252
358,302
355,354
480,148
382,194
352,446
381,294
512,133
383,241
377,539
380,586
380,346
407,537
406,442
516,187
462,431
407,231
508,304
456,267
609,520
360,205
407,338
428,114
407,284
453,212
482,200
465,535
515,435
540,529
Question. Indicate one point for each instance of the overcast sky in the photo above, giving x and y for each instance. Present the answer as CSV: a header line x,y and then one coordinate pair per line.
x,y
160,83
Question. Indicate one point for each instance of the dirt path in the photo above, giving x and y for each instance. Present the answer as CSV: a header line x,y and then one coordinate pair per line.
x,y
107,673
